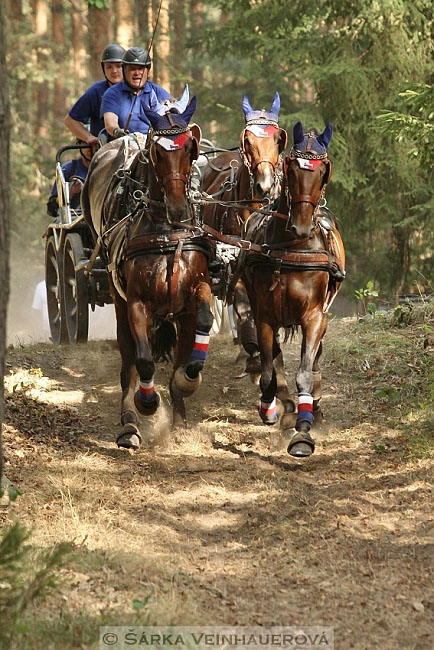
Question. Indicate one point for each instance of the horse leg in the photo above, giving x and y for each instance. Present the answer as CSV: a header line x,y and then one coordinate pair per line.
x,y
232,323
301,444
247,331
268,381
191,352
287,417
146,398
317,386
129,436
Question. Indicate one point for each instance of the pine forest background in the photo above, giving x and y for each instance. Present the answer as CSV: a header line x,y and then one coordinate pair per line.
x,y
365,66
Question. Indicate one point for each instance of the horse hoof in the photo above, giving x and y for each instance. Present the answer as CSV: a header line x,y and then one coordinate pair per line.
x,y
301,445
145,408
129,438
182,385
128,441
193,369
269,420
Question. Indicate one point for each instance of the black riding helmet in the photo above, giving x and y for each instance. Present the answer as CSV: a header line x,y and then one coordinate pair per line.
x,y
137,56
113,53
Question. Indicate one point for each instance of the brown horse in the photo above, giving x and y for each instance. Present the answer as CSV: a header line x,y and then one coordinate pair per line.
x,y
249,177
292,272
136,199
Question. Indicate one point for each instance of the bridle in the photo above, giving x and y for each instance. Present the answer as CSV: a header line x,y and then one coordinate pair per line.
x,y
153,140
317,200
266,159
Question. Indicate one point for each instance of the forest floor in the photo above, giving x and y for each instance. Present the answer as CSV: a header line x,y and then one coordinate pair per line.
x,y
216,524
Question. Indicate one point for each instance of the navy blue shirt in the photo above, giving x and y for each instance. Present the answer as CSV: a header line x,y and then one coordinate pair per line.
x,y
70,169
87,108
119,99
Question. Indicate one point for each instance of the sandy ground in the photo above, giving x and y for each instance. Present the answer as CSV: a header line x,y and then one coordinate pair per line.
x,y
217,524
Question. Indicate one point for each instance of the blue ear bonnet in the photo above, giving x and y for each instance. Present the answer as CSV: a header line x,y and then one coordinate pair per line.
x,y
318,144
272,115
160,122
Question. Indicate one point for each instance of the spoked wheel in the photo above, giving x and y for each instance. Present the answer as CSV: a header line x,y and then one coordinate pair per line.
x,y
76,289
55,302
218,311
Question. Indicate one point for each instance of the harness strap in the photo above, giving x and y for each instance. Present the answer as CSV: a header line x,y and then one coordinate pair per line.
x,y
265,159
144,241
277,292
174,276
305,198
176,176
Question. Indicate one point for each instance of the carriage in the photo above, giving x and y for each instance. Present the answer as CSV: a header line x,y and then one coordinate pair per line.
x,y
73,282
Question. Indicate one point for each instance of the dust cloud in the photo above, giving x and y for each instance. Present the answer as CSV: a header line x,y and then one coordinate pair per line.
x,y
27,321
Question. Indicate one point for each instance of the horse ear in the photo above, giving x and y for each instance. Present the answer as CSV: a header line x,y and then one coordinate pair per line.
x,y
155,104
326,136
246,105
182,103
187,114
298,134
275,106
197,134
283,140
153,117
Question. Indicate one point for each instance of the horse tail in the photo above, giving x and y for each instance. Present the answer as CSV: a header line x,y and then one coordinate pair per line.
x,y
290,333
162,340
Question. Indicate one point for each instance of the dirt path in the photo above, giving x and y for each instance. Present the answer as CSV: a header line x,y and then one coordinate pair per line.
x,y
217,524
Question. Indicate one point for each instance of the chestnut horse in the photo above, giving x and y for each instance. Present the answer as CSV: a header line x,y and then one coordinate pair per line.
x,y
249,177
136,200
292,271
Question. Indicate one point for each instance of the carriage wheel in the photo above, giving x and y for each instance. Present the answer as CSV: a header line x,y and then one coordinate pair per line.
x,y
76,290
55,301
218,311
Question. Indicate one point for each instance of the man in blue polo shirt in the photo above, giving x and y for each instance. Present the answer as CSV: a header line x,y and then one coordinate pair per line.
x,y
123,105
87,107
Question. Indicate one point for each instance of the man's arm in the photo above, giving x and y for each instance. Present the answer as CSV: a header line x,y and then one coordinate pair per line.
x,y
79,130
111,123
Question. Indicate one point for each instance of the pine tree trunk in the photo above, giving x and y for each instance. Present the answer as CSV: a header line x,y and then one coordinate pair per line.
x,y
177,40
14,22
196,25
40,91
141,11
78,54
100,35
152,19
401,237
4,217
124,23
59,55
162,36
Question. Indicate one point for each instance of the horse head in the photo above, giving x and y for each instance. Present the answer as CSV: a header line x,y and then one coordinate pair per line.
x,y
306,172
173,147
261,143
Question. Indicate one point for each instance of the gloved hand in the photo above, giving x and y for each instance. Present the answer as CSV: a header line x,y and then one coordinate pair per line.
x,y
119,133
